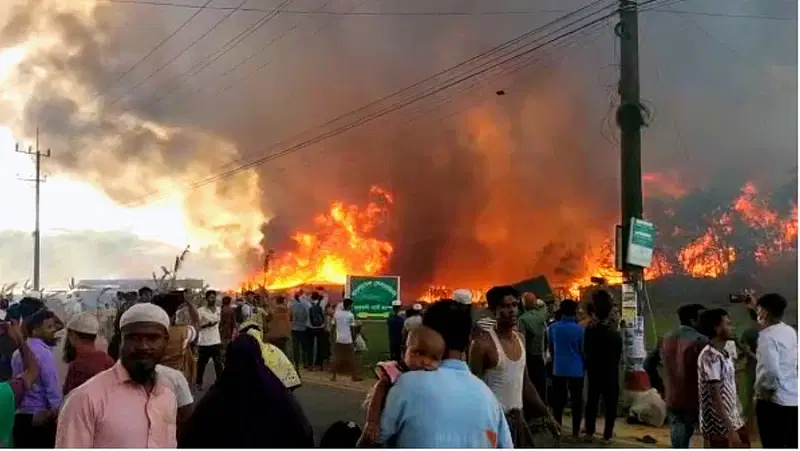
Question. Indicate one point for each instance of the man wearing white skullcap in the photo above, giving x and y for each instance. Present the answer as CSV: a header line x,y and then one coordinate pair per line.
x,y
80,352
129,405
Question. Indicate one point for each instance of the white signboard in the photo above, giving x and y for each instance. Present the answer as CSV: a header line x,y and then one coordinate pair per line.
x,y
628,304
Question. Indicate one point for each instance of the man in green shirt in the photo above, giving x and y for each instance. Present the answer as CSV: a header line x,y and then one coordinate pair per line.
x,y
533,324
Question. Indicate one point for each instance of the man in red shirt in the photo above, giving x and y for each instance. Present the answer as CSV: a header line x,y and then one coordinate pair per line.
x,y
80,352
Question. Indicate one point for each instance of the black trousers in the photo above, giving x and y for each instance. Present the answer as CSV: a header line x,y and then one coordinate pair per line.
x,y
204,354
26,435
777,425
538,376
573,385
302,352
395,351
606,387
320,340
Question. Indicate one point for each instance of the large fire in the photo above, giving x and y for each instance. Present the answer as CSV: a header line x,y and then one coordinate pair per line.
x,y
342,244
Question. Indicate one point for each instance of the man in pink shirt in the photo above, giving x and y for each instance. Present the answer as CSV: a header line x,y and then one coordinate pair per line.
x,y
129,405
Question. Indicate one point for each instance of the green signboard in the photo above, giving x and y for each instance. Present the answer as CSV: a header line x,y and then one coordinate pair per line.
x,y
372,296
640,243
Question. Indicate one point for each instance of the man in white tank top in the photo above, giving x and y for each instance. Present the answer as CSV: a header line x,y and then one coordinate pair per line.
x,y
498,357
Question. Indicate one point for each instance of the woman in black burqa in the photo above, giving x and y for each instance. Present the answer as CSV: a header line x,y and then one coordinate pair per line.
x,y
247,407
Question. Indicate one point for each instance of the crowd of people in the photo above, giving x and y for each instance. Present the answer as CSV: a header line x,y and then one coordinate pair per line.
x,y
488,380
536,358
700,385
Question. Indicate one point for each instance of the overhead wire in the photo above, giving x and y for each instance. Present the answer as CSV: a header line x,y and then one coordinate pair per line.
x,y
733,51
267,63
200,9
167,4
410,88
509,71
513,72
174,58
229,45
455,80
198,67
248,74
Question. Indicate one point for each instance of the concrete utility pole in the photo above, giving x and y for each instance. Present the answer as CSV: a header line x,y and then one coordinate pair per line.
x,y
38,154
630,121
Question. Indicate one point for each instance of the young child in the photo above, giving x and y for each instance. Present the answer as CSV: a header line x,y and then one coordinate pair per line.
x,y
424,351
359,344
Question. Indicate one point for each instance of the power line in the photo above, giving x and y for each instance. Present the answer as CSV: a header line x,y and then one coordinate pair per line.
x,y
271,60
181,53
163,41
337,13
415,98
437,13
403,91
225,48
267,45
728,15
513,72
757,64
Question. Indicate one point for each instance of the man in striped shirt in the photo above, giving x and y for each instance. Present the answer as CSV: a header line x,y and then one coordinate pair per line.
x,y
721,423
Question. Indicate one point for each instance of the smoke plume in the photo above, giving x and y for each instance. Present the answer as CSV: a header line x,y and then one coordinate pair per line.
x,y
488,188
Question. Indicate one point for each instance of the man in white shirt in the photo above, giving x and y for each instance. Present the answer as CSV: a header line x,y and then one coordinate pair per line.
x,y
209,342
776,375
183,394
344,356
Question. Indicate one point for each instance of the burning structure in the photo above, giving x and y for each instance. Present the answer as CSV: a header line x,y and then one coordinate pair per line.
x,y
346,241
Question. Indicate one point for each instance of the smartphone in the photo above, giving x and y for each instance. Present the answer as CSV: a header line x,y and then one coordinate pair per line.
x,y
737,298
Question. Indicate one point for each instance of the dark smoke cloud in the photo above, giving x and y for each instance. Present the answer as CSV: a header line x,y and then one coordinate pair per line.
x,y
516,186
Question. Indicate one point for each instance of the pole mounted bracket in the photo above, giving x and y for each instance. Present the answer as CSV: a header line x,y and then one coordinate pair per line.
x,y
620,31
629,116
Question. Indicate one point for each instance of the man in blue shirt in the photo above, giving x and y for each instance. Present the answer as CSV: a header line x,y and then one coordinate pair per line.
x,y
565,338
449,407
298,313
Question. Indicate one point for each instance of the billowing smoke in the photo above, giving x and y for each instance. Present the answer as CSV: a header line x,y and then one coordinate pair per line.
x,y
488,188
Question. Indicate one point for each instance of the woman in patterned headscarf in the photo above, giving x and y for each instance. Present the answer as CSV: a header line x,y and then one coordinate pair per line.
x,y
273,357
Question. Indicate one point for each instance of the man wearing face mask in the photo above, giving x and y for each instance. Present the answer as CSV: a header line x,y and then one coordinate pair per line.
x,y
129,405
776,374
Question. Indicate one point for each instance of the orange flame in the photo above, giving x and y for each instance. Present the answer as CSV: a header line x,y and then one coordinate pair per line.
x,y
780,234
711,255
339,246
342,244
